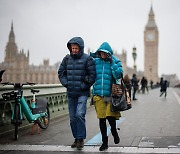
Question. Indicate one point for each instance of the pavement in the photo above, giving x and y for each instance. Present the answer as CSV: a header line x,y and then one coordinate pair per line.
x,y
151,126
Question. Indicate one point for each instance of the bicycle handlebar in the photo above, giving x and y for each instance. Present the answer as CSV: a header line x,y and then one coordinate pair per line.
x,y
18,85
30,83
14,84
13,95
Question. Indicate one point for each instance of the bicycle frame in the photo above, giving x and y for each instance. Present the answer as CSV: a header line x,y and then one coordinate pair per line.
x,y
24,108
37,114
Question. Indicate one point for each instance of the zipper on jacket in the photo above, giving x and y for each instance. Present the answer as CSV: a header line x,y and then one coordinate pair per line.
x,y
74,63
102,81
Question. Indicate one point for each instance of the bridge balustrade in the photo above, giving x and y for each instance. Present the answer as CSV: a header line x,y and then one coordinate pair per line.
x,y
55,94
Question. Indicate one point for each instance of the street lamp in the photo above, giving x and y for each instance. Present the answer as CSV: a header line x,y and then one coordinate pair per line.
x,y
134,55
150,69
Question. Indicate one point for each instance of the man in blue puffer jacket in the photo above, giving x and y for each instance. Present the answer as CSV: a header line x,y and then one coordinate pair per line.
x,y
77,73
108,68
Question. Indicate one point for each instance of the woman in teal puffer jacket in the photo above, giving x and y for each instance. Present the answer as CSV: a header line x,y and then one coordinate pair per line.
x,y
108,69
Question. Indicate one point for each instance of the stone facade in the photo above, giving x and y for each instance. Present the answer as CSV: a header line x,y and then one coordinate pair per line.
x,y
151,39
18,69
123,58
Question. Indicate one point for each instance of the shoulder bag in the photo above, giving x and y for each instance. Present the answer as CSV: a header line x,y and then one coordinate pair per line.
x,y
120,97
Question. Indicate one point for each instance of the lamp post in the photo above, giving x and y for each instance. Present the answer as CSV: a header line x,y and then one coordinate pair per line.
x,y
134,55
150,69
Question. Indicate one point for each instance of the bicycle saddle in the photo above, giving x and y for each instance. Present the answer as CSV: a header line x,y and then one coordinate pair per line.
x,y
34,91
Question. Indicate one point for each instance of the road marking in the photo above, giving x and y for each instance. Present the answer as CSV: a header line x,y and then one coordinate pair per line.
x,y
177,96
97,139
91,149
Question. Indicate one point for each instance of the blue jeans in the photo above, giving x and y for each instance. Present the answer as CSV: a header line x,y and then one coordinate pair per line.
x,y
77,112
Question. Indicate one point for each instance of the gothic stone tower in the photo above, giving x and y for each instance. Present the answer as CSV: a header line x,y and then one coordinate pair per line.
x,y
151,36
18,69
15,63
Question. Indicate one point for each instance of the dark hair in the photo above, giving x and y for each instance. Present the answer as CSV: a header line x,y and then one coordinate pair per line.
x,y
134,75
126,78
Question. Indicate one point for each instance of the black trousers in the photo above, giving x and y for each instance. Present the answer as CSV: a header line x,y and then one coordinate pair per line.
x,y
103,126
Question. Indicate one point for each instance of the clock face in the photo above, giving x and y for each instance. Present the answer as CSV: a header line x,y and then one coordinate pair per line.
x,y
150,37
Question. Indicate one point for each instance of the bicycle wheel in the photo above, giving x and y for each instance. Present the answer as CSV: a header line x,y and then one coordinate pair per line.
x,y
43,121
16,117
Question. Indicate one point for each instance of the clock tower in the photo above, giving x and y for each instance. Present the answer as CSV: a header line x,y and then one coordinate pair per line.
x,y
151,36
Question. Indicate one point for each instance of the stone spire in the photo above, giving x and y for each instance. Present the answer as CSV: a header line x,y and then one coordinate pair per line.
x,y
151,21
11,34
11,48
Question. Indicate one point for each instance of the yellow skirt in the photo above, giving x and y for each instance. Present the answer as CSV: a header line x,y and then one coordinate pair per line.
x,y
103,108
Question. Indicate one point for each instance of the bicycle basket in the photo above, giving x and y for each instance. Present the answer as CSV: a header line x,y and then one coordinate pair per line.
x,y
11,95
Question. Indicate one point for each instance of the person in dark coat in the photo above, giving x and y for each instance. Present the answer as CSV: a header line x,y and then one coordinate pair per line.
x,y
144,84
164,86
151,83
77,73
134,82
161,82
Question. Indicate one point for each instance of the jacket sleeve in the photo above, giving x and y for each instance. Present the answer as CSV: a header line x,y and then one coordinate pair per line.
x,y
116,68
90,72
62,73
92,54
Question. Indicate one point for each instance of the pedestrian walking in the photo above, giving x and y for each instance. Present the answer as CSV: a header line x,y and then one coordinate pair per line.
x,y
164,86
151,83
128,84
161,82
144,84
135,85
77,73
108,68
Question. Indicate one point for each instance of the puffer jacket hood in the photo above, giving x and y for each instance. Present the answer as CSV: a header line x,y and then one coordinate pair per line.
x,y
80,42
105,47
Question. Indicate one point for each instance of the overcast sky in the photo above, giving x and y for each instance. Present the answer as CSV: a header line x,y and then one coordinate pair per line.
x,y
45,26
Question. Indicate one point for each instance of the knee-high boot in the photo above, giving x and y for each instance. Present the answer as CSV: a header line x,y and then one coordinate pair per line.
x,y
103,129
112,122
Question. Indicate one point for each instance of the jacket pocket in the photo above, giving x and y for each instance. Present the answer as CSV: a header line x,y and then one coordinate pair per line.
x,y
84,86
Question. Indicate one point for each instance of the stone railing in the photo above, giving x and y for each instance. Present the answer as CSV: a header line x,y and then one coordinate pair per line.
x,y
55,94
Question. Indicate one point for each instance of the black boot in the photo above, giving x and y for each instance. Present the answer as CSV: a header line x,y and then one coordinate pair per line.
x,y
74,145
104,146
112,122
80,144
116,136
103,128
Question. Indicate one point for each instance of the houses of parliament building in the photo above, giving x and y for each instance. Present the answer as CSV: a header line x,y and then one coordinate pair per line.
x,y
18,69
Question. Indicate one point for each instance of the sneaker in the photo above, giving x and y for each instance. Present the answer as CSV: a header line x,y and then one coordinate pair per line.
x,y
74,145
80,144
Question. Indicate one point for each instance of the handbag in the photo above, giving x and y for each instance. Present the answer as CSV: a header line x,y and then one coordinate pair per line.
x,y
121,100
